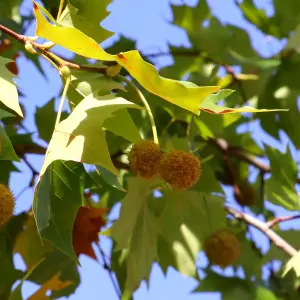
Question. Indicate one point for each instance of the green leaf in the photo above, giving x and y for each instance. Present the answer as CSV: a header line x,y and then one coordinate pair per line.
x,y
29,244
110,178
136,231
122,124
280,188
48,113
275,253
8,90
86,17
80,137
85,83
233,288
189,17
184,94
209,105
8,234
187,220
293,264
7,151
259,18
57,198
53,263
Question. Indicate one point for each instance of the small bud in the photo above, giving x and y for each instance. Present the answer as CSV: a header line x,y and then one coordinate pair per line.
x,y
65,71
29,48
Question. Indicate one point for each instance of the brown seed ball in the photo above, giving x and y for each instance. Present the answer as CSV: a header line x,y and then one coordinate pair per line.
x,y
144,159
180,169
246,194
7,204
222,248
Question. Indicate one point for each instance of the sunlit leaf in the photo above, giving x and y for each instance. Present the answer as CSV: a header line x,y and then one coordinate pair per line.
x,y
8,89
86,17
209,105
184,94
80,137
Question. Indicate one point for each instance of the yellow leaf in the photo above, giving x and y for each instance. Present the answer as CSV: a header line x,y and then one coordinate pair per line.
x,y
184,94
54,284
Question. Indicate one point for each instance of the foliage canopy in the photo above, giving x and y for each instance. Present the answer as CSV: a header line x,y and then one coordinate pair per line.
x,y
115,99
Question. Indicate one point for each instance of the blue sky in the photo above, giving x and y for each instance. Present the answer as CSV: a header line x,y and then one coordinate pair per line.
x,y
148,22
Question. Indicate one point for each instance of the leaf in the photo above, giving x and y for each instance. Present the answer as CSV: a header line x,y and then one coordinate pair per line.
x,y
48,113
110,178
8,234
184,94
53,284
86,17
87,225
234,288
189,17
57,263
275,253
293,264
186,221
80,137
136,230
57,199
7,151
8,90
280,188
29,244
122,124
85,83
209,105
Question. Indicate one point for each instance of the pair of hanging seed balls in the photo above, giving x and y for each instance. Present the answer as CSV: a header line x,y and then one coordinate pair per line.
x,y
180,169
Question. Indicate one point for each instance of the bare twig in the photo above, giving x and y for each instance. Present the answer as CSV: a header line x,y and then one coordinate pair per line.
x,y
263,227
277,220
33,171
110,272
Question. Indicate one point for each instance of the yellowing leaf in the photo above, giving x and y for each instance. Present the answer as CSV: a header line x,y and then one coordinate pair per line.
x,y
53,284
8,90
80,137
209,105
184,94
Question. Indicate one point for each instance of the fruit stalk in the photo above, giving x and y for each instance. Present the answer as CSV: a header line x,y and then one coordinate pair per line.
x,y
148,109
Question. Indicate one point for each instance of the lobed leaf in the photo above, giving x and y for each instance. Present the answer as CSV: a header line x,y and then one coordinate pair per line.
x,y
209,105
8,89
184,94
80,136
57,198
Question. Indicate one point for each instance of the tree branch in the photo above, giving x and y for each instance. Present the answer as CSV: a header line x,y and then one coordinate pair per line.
x,y
277,220
263,227
110,272
41,49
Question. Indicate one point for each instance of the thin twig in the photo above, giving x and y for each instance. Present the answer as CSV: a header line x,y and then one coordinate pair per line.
x,y
148,109
277,220
42,49
108,269
263,227
61,5
33,171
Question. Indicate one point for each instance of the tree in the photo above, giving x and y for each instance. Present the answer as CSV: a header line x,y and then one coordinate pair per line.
x,y
160,146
